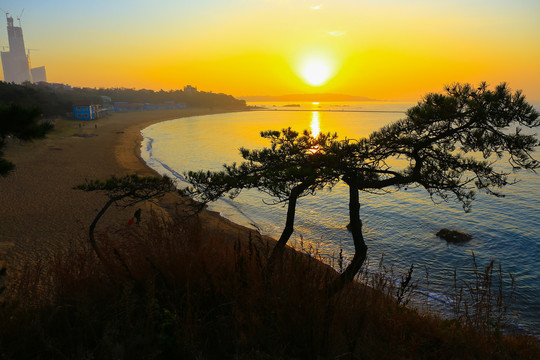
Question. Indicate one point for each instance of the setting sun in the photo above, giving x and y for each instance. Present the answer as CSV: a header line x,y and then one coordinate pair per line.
x,y
315,71
381,50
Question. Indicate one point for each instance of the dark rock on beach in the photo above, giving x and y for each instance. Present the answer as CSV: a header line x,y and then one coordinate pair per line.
x,y
454,236
84,135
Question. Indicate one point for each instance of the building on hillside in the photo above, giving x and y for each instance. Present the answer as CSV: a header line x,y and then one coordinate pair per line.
x,y
15,62
84,110
38,74
108,107
188,89
59,86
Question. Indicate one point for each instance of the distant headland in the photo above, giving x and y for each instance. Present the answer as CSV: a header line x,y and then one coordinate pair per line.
x,y
307,97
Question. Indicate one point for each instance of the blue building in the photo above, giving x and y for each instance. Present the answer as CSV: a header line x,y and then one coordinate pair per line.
x,y
85,111
121,106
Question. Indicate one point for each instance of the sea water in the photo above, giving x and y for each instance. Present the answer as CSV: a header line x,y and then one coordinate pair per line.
x,y
400,225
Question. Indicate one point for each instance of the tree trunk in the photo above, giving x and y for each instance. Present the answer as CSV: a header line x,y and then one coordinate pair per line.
x,y
360,248
93,226
289,225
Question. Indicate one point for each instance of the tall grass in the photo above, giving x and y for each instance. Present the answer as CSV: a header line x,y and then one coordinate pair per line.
x,y
483,302
172,289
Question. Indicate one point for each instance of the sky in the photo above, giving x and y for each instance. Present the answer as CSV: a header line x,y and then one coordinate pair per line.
x,y
385,49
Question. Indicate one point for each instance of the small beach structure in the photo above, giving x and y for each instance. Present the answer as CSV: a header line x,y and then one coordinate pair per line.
x,y
85,110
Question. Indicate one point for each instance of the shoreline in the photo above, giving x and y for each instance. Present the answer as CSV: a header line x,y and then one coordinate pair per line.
x,y
212,222
42,212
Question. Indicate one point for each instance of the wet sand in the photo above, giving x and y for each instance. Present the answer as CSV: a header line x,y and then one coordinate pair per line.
x,y
40,210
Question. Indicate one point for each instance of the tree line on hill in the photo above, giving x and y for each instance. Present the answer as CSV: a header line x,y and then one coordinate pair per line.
x,y
57,99
191,99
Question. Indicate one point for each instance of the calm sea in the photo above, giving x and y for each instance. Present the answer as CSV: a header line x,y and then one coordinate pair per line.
x,y
400,225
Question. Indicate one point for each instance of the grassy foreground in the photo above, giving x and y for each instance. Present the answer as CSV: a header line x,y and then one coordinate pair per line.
x,y
165,292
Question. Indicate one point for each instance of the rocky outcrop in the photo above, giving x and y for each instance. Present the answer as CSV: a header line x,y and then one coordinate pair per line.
x,y
454,236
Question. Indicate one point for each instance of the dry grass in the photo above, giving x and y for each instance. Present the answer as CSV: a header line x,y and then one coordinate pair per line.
x,y
165,291
483,303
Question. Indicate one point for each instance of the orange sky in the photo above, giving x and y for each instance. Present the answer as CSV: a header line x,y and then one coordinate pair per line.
x,y
387,49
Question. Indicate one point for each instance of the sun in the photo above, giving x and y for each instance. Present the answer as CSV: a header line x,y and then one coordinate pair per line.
x,y
315,71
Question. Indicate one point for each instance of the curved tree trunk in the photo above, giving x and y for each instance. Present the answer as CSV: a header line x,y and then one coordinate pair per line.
x,y
360,248
93,226
289,225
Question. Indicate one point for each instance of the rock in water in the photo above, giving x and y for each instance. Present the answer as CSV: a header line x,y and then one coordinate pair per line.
x,y
454,236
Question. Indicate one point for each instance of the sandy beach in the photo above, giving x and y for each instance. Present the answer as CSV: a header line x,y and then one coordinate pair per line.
x,y
41,211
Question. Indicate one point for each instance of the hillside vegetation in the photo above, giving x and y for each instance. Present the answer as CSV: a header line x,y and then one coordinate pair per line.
x,y
58,99
165,292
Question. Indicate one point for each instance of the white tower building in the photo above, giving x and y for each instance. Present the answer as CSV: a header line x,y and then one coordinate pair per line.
x,y
15,62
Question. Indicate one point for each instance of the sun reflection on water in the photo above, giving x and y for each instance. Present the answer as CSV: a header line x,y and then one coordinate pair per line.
x,y
315,124
315,129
